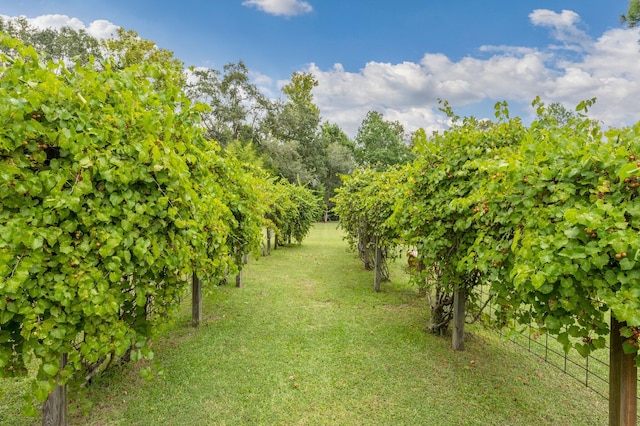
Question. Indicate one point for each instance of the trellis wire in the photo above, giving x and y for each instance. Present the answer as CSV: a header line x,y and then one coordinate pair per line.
x,y
591,371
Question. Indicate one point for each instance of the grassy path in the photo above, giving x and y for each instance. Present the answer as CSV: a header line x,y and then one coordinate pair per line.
x,y
307,342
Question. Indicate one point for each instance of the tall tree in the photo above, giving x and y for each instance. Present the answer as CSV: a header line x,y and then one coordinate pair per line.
x,y
339,161
295,122
380,143
237,105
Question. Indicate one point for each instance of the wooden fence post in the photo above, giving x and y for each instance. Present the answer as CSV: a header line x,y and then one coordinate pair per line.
x,y
623,379
377,276
268,241
54,410
239,261
196,300
459,302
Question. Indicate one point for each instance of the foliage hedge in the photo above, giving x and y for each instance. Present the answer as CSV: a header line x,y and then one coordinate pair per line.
x,y
109,199
546,214
364,202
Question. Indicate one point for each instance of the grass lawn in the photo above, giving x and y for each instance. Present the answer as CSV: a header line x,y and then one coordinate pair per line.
x,y
306,341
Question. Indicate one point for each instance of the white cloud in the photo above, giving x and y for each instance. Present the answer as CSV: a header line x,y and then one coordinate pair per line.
x,y
280,7
564,27
99,28
102,29
264,83
606,68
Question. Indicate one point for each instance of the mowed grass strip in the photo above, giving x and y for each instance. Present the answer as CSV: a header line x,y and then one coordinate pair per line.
x,y
306,341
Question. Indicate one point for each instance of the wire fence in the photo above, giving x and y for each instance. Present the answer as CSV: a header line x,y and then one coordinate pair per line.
x,y
592,371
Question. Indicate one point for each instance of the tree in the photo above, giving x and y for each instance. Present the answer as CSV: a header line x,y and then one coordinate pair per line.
x,y
632,18
294,124
283,160
65,44
559,115
338,161
237,105
380,143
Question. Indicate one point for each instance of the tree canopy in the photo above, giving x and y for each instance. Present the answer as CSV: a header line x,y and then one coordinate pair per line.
x,y
380,143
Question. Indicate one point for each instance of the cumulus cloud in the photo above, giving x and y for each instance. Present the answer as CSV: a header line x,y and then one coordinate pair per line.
x,y
102,28
606,68
280,7
99,28
563,28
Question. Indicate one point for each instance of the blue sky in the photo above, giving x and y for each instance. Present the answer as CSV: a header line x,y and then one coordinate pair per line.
x,y
397,57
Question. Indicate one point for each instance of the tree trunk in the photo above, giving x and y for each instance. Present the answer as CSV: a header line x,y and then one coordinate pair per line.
x,y
623,380
377,277
54,410
239,279
459,302
422,288
440,309
196,300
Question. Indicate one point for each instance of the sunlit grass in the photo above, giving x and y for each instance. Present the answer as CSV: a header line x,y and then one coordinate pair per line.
x,y
307,341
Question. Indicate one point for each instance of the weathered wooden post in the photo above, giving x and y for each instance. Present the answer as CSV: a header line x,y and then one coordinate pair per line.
x,y
268,241
239,262
54,410
459,302
196,300
377,276
623,380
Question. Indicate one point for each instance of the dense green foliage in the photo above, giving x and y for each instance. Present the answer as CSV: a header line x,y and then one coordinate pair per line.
x,y
567,246
434,214
364,203
546,214
110,198
317,346
292,210
286,134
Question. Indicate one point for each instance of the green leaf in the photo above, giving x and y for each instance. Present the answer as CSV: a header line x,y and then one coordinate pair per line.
x,y
50,369
629,348
552,323
537,280
600,261
572,232
627,170
627,264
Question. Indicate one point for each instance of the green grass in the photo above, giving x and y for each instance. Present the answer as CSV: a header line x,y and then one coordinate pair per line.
x,y
306,341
